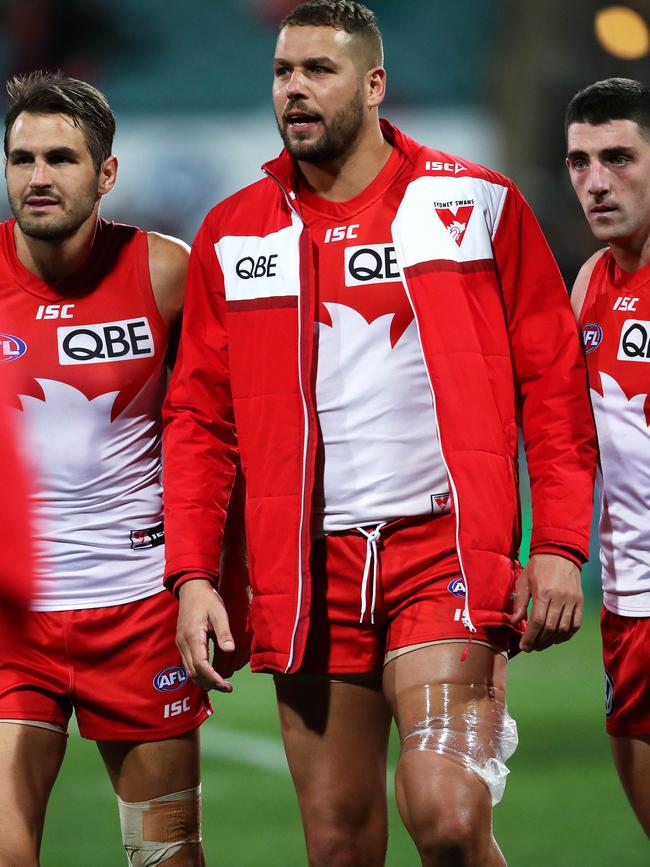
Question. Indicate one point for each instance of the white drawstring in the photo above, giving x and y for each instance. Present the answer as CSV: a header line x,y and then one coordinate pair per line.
x,y
371,557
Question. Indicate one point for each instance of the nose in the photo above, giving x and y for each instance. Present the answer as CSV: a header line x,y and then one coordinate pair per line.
x,y
40,175
598,180
296,84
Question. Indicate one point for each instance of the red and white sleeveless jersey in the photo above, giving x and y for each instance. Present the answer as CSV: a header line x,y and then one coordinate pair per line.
x,y
88,358
615,321
381,456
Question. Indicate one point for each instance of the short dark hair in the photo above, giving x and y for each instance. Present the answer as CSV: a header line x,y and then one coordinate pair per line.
x,y
611,99
347,15
54,93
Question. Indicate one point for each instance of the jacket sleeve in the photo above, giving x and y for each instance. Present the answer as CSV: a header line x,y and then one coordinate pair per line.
x,y
550,382
199,440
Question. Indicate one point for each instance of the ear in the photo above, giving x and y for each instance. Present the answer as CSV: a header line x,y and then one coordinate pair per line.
x,y
375,86
107,176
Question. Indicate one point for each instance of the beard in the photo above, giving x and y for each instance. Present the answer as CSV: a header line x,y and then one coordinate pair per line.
x,y
53,227
337,139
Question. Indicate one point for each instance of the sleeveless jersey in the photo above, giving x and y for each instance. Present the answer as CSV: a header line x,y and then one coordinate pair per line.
x,y
615,322
88,358
380,453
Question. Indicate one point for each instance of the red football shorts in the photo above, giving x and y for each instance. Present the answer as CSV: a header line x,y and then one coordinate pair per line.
x,y
117,667
416,596
626,655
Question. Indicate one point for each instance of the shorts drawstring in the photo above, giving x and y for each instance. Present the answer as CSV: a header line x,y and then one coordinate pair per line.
x,y
372,557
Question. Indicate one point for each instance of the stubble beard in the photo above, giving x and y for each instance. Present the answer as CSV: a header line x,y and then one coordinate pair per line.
x,y
336,140
53,227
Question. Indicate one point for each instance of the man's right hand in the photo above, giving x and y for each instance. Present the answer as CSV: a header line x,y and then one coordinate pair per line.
x,y
202,616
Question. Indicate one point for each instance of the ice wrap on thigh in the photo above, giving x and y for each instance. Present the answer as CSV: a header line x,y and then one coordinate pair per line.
x,y
467,723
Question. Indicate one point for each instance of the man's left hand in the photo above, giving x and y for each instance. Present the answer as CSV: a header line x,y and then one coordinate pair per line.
x,y
553,583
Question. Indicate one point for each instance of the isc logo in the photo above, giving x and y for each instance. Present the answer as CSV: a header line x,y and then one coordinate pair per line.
x,y
106,341
623,302
592,334
55,311
341,233
177,707
435,166
170,679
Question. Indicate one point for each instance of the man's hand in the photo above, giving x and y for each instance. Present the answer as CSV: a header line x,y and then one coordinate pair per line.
x,y
553,583
202,616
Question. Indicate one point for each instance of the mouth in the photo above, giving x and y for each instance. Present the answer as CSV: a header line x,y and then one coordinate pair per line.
x,y
300,120
602,210
41,203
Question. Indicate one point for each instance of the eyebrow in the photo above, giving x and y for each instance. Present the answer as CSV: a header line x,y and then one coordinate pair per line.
x,y
309,61
62,151
604,154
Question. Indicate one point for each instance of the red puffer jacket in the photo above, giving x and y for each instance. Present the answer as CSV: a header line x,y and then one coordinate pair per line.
x,y
499,342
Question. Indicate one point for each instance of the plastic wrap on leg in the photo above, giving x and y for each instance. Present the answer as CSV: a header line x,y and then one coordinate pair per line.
x,y
468,723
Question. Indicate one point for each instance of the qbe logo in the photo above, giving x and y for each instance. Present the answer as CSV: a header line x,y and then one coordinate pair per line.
x,y
592,334
11,348
170,679
634,344
374,263
122,340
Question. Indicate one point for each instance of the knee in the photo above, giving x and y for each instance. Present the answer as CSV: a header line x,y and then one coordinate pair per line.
x,y
338,841
451,825
334,847
448,840
19,846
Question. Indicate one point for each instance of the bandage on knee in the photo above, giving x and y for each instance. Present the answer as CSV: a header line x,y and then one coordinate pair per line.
x,y
153,831
468,723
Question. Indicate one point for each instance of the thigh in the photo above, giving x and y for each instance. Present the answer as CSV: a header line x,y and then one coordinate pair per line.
x,y
335,734
129,652
30,758
147,770
454,708
632,760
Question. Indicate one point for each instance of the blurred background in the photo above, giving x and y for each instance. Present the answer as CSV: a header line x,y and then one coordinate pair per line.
x,y
484,79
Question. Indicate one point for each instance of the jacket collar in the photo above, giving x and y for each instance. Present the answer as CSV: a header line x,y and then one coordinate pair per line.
x,y
284,169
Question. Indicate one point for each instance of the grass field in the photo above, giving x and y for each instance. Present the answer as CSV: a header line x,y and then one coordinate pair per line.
x,y
563,805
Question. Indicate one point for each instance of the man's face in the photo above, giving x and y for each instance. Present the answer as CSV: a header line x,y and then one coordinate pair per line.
x,y
52,184
609,166
318,93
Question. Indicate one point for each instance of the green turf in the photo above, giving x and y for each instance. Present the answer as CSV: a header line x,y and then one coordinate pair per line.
x,y
563,805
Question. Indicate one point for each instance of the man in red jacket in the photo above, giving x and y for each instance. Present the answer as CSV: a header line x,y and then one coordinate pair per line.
x,y
363,328
608,137
17,571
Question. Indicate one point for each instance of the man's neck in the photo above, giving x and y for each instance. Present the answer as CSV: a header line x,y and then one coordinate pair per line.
x,y
631,256
52,261
344,179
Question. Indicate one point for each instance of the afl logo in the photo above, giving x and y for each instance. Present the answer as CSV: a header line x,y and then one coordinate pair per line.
x,y
609,694
11,347
592,334
457,587
170,679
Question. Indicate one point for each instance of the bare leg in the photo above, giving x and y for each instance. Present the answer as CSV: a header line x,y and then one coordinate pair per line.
x,y
148,770
632,760
30,759
336,738
446,807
